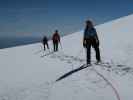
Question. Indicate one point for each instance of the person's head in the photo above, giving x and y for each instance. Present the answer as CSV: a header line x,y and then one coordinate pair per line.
x,y
89,24
56,31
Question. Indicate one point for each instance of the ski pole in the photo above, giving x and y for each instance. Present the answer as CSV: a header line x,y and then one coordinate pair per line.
x,y
42,48
60,45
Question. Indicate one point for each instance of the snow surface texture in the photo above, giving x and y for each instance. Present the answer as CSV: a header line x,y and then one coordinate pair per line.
x,y
27,74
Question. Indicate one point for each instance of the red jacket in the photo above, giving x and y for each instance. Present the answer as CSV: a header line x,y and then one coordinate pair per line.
x,y
56,37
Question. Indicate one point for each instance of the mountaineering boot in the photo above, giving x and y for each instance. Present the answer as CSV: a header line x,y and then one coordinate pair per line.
x,y
98,62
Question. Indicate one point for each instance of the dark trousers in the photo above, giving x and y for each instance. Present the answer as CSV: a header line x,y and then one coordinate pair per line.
x,y
45,44
92,43
55,46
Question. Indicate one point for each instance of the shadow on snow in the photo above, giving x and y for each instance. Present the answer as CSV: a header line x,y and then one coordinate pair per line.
x,y
71,72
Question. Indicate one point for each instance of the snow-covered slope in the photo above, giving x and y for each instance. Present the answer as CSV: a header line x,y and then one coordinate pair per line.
x,y
25,74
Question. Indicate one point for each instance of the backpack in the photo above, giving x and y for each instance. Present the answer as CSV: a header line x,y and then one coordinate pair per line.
x,y
90,33
56,37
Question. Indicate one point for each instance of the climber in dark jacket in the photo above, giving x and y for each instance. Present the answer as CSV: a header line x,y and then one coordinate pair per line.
x,y
56,40
91,39
45,42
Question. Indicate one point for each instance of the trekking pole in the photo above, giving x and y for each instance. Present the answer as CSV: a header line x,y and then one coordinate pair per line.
x,y
60,45
48,48
42,48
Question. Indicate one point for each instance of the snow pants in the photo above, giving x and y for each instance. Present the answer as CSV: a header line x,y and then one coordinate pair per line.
x,y
91,42
55,46
45,44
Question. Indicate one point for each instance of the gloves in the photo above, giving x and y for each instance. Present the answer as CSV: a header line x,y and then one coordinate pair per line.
x,y
84,43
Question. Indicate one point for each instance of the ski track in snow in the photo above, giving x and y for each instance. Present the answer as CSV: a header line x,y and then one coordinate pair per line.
x,y
120,69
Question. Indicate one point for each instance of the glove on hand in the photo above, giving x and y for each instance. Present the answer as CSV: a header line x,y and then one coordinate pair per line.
x,y
84,43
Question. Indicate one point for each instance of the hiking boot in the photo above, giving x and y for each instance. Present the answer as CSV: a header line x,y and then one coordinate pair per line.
x,y
98,62
88,64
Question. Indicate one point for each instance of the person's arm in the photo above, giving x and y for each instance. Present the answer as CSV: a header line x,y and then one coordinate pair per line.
x,y
96,37
42,40
84,39
46,39
58,37
53,37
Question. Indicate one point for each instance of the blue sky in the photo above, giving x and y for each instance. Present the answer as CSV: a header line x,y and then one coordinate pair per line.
x,y
38,17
